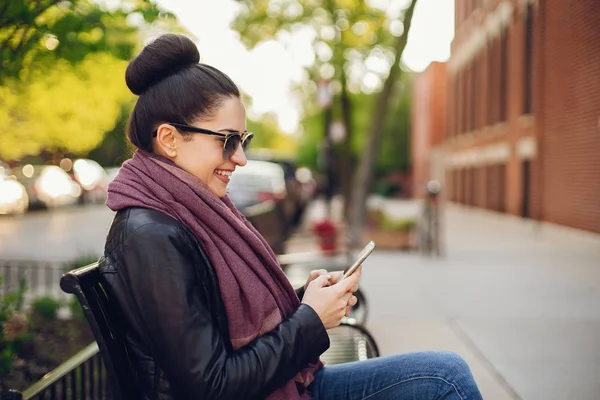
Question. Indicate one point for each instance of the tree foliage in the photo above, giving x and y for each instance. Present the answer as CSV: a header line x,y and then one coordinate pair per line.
x,y
268,135
347,35
393,154
357,45
36,33
63,65
67,108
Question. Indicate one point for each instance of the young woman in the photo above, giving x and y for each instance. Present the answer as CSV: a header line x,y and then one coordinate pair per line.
x,y
209,312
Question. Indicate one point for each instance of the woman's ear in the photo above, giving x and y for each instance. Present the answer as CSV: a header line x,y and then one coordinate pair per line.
x,y
166,140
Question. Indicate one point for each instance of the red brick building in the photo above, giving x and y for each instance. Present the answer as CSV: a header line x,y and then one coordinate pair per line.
x,y
428,125
523,125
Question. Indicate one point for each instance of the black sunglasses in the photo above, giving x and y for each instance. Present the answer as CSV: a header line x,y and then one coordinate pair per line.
x,y
231,140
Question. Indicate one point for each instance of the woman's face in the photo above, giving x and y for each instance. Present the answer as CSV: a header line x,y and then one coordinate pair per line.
x,y
202,155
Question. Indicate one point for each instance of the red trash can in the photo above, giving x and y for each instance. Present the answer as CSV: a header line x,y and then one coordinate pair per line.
x,y
326,232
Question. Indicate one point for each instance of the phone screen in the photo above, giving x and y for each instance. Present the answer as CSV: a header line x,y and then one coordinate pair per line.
x,y
360,259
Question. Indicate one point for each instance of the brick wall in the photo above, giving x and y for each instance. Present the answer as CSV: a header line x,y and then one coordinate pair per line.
x,y
571,112
523,123
428,126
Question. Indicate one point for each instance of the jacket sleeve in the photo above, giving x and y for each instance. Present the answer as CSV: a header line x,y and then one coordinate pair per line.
x,y
300,292
188,347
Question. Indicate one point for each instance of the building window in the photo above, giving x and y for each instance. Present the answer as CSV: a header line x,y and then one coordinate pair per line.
x,y
465,96
528,59
502,187
465,186
469,102
459,103
451,107
503,114
455,116
491,84
481,90
474,87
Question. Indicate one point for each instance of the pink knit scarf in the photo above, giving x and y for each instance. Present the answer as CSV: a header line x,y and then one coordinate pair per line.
x,y
256,293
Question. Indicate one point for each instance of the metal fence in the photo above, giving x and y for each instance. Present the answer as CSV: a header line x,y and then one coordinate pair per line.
x,y
41,279
81,377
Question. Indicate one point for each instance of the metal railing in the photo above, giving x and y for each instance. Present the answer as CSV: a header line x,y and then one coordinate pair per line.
x,y
82,377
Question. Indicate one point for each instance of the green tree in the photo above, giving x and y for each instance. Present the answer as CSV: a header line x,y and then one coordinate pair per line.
x,y
36,33
349,36
115,148
393,154
67,109
268,135
62,71
364,176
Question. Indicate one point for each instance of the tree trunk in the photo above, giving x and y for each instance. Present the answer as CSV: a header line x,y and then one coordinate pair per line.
x,y
346,169
363,176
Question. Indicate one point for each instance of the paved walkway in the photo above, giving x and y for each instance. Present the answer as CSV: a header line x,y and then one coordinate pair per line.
x,y
519,300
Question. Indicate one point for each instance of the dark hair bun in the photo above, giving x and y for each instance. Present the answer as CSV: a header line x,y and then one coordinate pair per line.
x,y
164,56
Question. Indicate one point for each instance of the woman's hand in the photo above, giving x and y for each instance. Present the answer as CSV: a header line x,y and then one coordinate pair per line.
x,y
330,301
335,277
314,274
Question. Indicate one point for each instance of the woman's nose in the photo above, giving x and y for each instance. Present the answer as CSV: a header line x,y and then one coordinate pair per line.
x,y
239,157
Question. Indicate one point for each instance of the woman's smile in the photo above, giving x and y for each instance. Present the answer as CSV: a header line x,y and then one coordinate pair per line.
x,y
223,175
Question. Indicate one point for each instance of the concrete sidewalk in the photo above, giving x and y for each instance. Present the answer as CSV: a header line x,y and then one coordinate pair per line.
x,y
519,300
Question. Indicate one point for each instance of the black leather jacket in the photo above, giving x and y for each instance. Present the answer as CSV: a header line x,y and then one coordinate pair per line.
x,y
177,332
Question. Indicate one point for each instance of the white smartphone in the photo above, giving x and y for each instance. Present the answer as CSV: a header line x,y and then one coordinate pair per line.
x,y
360,259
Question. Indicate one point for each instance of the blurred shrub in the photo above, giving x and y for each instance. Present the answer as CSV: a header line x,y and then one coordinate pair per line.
x,y
46,307
387,189
374,217
13,325
397,225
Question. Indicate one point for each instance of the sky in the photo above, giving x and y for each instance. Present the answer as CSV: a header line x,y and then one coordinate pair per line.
x,y
267,72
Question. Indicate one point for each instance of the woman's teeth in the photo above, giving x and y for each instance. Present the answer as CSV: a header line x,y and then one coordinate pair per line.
x,y
224,173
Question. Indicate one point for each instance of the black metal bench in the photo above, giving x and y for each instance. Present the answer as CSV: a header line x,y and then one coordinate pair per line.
x,y
349,342
105,320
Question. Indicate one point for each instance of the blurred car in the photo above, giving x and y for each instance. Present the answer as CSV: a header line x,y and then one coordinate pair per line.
x,y
48,186
258,190
300,185
93,180
256,182
13,196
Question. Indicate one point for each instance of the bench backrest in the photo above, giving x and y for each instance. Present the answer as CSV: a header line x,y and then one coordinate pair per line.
x,y
106,322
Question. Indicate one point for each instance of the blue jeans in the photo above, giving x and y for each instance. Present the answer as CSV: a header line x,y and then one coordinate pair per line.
x,y
421,375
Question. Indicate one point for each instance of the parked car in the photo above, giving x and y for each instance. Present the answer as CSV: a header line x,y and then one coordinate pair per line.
x,y
299,183
93,180
256,182
48,186
258,190
13,196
